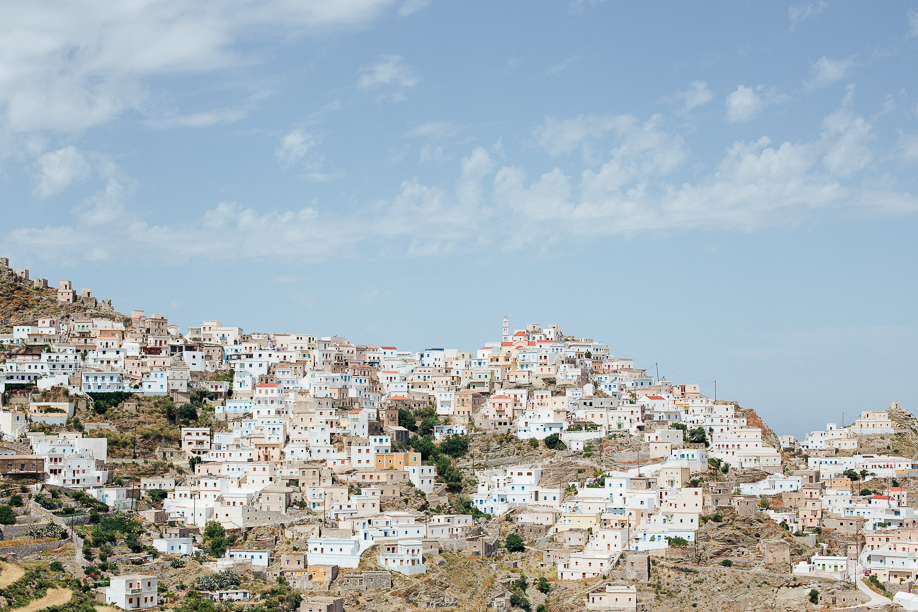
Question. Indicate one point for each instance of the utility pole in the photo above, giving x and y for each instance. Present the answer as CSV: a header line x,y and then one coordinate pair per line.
x,y
715,390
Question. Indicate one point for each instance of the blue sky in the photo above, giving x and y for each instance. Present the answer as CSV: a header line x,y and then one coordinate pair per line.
x,y
728,191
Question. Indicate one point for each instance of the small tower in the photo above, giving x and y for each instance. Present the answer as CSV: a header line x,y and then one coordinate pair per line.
x,y
506,330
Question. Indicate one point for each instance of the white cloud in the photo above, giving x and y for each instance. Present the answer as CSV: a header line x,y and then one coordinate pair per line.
x,y
913,22
743,104
563,65
908,148
825,71
390,72
59,169
801,12
83,63
697,94
561,136
412,6
294,146
845,139
203,119
640,188
433,129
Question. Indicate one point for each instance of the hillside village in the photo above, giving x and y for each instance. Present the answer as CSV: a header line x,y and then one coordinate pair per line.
x,y
219,469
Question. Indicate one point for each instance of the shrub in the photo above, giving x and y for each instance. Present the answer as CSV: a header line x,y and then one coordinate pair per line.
x,y
533,443
520,583
7,516
427,425
56,566
157,495
543,585
16,501
717,518
814,596
554,441
455,446
727,563
519,601
514,543
215,582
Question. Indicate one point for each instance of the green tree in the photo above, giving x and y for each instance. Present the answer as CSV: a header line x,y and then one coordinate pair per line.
x,y
215,538
554,441
851,474
455,446
698,436
449,474
186,413
425,446
541,608
427,425
157,495
7,516
407,420
542,585
814,596
727,563
16,501
676,542
520,601
514,543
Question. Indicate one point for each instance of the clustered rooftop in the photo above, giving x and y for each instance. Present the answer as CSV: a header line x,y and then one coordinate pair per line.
x,y
320,427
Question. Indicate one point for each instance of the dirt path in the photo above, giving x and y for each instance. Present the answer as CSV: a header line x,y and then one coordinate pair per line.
x,y
54,597
11,573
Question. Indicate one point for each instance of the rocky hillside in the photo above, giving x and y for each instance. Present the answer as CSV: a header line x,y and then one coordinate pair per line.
x,y
21,303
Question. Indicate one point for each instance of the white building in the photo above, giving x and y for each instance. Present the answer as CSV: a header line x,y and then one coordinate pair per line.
x,y
259,558
132,592
174,546
406,559
333,551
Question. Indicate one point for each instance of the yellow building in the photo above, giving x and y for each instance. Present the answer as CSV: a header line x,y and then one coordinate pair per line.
x,y
397,461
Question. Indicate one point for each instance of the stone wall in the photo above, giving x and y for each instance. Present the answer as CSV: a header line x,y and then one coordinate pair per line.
x,y
253,517
8,532
365,581
32,549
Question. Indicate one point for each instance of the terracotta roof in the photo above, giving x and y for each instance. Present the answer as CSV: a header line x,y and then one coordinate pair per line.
x,y
399,397
655,397
388,348
268,385
886,497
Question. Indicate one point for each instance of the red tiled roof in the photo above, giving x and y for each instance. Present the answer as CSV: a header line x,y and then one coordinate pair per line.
x,y
655,397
